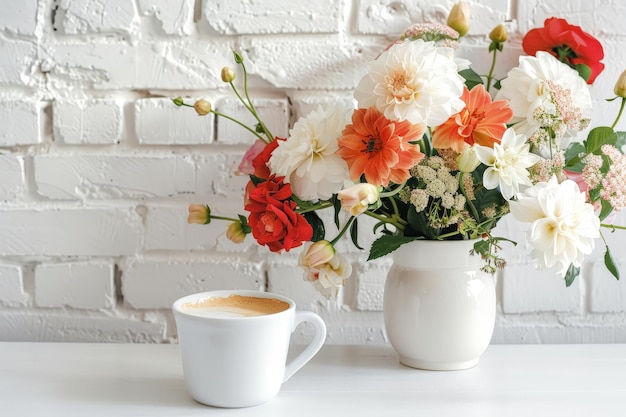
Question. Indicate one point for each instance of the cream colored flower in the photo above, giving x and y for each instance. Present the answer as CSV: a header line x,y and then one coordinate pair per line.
x,y
356,199
412,81
329,277
235,232
563,226
316,254
307,158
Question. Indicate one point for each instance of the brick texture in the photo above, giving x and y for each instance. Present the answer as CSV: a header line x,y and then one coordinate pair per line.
x,y
98,166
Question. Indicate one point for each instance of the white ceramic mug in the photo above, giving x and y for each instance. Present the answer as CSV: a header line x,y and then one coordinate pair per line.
x,y
240,361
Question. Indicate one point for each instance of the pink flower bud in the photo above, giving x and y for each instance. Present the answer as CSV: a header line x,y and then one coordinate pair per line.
x,y
199,214
317,254
235,232
245,166
356,199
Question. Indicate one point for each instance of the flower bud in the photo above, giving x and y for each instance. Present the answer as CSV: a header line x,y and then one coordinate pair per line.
x,y
228,75
317,254
498,34
235,232
459,17
202,107
468,161
199,214
620,86
356,199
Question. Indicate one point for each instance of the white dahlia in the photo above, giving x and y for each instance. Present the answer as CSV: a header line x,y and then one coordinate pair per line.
x,y
307,158
563,226
414,81
551,103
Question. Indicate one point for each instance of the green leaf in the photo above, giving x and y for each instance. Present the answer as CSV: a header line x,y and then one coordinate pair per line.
x,y
572,157
337,207
497,85
317,224
583,70
621,139
605,210
472,78
572,273
599,136
256,180
244,224
610,263
386,244
354,233
420,224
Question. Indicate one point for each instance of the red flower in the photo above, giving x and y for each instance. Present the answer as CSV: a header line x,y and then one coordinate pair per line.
x,y
260,161
568,43
273,219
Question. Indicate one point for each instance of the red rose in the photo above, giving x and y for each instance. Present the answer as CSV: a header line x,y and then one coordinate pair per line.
x,y
569,43
273,219
260,161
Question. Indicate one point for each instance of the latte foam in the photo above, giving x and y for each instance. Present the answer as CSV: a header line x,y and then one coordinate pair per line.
x,y
234,306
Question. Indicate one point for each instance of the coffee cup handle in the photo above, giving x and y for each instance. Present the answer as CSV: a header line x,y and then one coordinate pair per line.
x,y
316,344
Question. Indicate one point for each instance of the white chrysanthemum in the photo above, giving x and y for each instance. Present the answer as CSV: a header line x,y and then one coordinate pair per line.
x,y
507,163
547,98
563,226
307,158
412,81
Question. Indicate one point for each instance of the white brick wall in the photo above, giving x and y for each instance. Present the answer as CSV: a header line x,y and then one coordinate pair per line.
x,y
97,166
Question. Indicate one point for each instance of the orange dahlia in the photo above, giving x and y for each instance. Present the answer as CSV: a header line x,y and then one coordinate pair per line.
x,y
380,148
482,121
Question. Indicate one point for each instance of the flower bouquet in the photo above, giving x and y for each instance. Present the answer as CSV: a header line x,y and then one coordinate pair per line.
x,y
433,150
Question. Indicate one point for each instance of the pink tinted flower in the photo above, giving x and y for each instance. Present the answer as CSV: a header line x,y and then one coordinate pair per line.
x,y
613,184
356,199
316,254
245,166
199,214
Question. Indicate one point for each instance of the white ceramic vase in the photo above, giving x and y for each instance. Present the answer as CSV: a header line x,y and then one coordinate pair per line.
x,y
439,307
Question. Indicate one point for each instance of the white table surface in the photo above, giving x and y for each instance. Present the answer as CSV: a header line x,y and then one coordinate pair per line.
x,y
119,380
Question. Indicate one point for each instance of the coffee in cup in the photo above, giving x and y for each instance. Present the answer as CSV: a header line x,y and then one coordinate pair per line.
x,y
234,345
234,305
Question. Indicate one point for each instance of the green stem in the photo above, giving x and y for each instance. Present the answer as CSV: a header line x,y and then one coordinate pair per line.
x,y
493,66
343,231
232,119
251,105
392,192
619,115
389,220
612,226
446,235
230,219
319,206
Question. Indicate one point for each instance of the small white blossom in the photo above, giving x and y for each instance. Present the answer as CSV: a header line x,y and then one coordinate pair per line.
x,y
508,164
